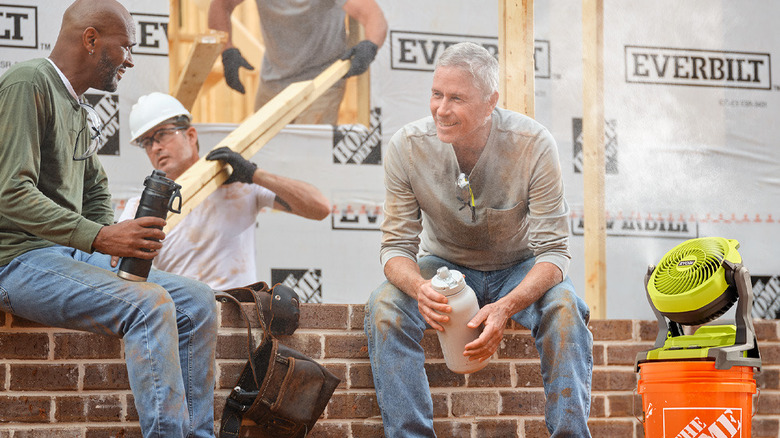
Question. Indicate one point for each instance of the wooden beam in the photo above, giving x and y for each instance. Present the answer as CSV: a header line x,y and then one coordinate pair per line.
x,y
204,177
593,157
516,55
203,54
362,82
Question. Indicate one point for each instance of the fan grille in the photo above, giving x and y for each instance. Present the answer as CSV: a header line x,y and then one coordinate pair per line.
x,y
689,265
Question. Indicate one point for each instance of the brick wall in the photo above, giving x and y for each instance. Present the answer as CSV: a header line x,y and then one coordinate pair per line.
x,y
62,384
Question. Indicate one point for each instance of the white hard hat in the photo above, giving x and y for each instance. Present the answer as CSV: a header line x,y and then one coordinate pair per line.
x,y
153,109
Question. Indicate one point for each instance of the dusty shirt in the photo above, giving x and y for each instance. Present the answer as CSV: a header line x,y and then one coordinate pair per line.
x,y
302,37
519,205
46,197
215,243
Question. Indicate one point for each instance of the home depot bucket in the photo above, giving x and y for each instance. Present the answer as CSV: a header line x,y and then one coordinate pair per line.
x,y
687,399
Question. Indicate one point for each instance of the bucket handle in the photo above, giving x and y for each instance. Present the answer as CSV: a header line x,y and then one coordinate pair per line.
x,y
633,408
755,404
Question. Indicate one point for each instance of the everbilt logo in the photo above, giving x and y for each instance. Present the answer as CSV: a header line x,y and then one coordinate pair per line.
x,y
107,106
151,33
307,283
19,26
419,51
636,226
671,66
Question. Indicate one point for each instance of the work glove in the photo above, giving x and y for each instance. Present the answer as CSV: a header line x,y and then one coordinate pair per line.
x,y
231,61
361,55
243,169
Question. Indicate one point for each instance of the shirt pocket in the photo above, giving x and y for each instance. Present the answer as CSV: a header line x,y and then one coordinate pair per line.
x,y
509,224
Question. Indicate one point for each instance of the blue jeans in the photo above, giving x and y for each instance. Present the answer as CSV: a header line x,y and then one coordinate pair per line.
x,y
169,326
558,322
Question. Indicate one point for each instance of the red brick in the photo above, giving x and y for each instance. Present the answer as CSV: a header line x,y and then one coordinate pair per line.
x,y
625,405
17,345
70,409
353,405
648,330
66,432
44,377
441,407
339,370
598,405
324,316
472,403
229,374
765,428
431,346
360,376
768,403
770,353
114,432
610,428
519,346
533,428
329,430
611,329
231,317
495,428
366,430
452,429
439,376
529,375
599,354
106,376
522,402
232,346
2,378
104,407
357,316
32,409
132,413
309,344
614,379
346,346
83,345
766,330
768,378
495,374
625,354
19,322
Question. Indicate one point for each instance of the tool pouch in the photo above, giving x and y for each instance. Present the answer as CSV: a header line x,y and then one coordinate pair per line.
x,y
282,390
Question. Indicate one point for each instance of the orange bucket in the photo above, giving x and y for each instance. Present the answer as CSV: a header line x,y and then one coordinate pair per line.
x,y
691,399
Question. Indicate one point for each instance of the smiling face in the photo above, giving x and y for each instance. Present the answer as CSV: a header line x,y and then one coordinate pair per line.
x,y
114,45
460,110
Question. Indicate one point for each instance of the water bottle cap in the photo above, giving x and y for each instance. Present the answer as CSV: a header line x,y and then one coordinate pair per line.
x,y
448,282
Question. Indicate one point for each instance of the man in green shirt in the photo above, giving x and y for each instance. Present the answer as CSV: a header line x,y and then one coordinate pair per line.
x,y
57,231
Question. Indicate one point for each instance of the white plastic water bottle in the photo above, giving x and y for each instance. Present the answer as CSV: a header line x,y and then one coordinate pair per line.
x,y
456,333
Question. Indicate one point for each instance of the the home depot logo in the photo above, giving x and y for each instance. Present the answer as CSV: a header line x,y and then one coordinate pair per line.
x,y
707,68
356,144
703,422
610,146
151,33
307,283
419,51
107,106
19,26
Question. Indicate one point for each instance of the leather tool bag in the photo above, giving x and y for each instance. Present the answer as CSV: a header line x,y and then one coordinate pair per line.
x,y
282,390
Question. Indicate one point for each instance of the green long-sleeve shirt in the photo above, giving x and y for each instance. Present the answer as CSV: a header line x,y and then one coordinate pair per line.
x,y
46,197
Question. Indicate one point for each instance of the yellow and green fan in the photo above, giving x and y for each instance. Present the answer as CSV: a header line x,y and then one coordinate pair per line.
x,y
689,284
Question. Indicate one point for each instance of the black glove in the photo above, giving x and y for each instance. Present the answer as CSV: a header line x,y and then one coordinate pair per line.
x,y
243,169
231,61
362,54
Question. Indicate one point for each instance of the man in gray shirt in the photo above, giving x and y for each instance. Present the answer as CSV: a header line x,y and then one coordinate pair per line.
x,y
478,189
301,40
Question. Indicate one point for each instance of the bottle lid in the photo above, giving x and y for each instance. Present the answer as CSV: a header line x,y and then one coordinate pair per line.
x,y
448,282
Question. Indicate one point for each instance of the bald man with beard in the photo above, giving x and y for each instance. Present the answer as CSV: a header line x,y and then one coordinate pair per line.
x,y
57,231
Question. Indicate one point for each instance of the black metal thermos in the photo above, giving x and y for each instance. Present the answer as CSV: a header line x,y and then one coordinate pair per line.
x,y
156,200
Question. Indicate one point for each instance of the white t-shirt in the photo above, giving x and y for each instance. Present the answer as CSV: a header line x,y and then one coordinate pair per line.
x,y
215,243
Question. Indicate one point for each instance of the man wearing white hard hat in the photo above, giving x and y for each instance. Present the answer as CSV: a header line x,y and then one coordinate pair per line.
x,y
215,242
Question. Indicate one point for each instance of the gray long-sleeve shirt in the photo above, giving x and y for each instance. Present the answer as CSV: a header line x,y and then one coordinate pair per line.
x,y
519,205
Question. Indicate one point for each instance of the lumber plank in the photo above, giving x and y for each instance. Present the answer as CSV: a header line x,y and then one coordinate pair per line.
x,y
204,52
203,177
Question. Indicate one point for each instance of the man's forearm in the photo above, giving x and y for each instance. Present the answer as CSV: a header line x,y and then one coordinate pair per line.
x,y
541,278
404,273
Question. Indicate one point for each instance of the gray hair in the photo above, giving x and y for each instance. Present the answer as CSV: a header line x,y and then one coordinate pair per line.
x,y
476,60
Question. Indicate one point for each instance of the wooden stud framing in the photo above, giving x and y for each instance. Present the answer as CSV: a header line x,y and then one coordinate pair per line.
x,y
204,177
593,157
362,82
516,55
204,53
